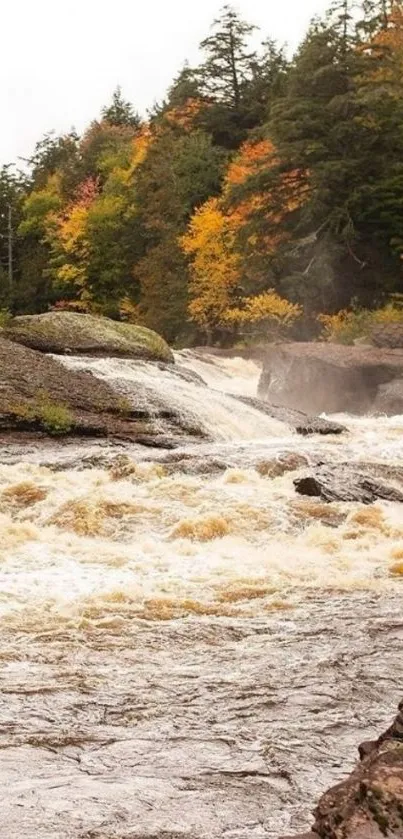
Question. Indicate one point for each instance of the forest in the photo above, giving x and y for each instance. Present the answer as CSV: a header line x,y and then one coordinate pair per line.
x,y
263,195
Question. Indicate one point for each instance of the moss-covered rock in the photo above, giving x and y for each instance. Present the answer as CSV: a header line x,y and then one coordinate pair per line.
x,y
79,334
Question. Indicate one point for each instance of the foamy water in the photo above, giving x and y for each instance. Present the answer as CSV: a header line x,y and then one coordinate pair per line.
x,y
168,629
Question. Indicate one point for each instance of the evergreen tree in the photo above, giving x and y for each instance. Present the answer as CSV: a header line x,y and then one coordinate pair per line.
x,y
228,63
185,86
120,112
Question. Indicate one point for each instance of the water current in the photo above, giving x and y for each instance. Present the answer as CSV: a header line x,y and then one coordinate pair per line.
x,y
188,649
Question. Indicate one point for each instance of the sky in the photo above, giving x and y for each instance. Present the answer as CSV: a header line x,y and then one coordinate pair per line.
x,y
60,60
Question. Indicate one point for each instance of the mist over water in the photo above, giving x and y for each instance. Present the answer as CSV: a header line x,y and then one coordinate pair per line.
x,y
191,652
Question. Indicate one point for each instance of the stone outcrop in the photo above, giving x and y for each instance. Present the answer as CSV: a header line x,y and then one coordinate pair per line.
x,y
80,334
300,422
364,483
39,395
369,803
319,377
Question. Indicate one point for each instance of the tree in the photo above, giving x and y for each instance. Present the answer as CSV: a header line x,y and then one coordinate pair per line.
x,y
181,170
376,15
185,86
120,112
228,63
215,267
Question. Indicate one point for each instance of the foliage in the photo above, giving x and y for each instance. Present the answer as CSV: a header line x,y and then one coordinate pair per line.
x,y
257,176
268,314
346,326
5,317
53,417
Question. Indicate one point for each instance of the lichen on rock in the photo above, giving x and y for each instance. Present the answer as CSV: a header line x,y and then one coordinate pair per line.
x,y
81,334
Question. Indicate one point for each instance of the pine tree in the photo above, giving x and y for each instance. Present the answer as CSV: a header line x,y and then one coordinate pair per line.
x,y
120,112
185,86
228,63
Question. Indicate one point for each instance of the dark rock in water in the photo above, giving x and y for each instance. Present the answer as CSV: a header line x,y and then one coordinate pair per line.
x,y
349,482
389,399
315,378
369,803
302,423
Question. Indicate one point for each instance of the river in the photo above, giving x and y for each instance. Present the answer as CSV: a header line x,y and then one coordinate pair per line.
x,y
189,649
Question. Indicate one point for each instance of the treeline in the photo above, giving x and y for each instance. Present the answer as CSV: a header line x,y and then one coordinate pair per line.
x,y
261,192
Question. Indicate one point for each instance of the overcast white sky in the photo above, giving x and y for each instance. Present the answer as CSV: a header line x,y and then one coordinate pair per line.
x,y
60,61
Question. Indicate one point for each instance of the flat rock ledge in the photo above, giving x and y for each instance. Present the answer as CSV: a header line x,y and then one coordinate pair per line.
x,y
298,420
369,803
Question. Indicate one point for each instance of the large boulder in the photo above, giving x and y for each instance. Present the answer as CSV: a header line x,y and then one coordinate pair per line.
x,y
79,334
364,483
369,803
318,377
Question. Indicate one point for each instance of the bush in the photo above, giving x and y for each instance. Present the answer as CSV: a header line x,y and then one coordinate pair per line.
x,y
349,325
267,316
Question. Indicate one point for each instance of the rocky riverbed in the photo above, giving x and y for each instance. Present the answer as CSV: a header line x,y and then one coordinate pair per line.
x,y
190,648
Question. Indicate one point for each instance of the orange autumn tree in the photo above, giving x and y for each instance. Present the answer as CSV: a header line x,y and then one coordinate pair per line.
x,y
219,271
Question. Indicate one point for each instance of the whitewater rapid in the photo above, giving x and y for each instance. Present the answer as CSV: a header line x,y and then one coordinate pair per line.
x,y
188,648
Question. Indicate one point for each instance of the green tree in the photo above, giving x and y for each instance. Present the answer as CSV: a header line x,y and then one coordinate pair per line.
x,y
181,170
228,63
120,112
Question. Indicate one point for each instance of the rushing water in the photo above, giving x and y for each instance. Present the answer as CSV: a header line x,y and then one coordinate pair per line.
x,y
188,649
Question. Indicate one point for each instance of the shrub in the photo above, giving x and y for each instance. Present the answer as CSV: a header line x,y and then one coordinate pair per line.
x,y
349,325
267,315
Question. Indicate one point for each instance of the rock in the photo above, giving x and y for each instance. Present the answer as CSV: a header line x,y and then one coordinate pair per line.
x,y
350,482
317,378
388,335
302,423
389,399
369,803
39,395
279,466
79,334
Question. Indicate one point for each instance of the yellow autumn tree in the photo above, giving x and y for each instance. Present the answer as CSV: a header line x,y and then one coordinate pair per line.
x,y
268,314
215,265
220,273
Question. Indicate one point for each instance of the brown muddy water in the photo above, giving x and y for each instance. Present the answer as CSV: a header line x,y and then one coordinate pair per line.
x,y
190,653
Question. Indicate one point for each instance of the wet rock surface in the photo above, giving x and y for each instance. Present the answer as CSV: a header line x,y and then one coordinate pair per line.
x,y
389,399
301,422
35,387
314,377
369,803
364,483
